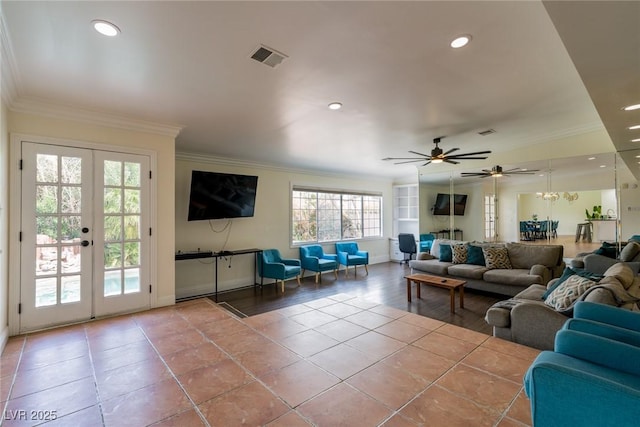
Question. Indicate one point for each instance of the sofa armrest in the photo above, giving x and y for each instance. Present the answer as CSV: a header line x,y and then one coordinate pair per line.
x,y
425,256
598,264
610,315
533,323
542,271
295,262
601,351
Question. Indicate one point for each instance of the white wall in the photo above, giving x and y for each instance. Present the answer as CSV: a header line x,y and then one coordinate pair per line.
x,y
269,228
162,144
4,224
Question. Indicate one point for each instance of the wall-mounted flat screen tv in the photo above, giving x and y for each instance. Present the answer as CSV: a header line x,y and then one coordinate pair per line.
x,y
443,207
221,195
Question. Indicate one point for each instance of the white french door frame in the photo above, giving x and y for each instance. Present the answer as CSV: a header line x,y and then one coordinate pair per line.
x,y
15,211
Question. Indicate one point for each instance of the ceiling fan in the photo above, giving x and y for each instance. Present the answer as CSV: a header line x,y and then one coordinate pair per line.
x,y
438,156
497,172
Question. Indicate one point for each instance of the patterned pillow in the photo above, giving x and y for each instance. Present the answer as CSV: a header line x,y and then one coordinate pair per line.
x,y
459,252
496,258
568,292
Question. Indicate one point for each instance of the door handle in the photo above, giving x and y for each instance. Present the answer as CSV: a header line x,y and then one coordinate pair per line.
x,y
85,229
85,243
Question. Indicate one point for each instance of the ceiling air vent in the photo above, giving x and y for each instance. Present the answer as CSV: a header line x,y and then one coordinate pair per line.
x,y
268,56
487,132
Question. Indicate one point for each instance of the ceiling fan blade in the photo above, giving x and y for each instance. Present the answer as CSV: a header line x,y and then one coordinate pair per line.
x,y
427,163
408,161
420,154
473,174
402,158
448,160
520,172
467,158
451,151
471,154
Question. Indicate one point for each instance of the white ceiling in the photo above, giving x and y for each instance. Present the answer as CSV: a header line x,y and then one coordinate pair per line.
x,y
390,64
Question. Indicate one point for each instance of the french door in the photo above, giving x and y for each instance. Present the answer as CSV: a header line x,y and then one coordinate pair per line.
x,y
84,234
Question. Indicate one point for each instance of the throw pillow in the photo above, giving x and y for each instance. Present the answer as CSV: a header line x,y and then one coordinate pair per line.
x,y
475,256
459,253
445,253
496,258
565,295
622,272
568,272
629,251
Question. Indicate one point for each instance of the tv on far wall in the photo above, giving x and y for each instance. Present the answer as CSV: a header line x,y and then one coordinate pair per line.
x,y
217,195
443,206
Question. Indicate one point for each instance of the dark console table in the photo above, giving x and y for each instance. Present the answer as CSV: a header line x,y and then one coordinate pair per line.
x,y
222,254
444,234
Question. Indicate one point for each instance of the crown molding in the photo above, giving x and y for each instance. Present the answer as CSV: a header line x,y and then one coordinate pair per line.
x,y
9,75
101,118
210,159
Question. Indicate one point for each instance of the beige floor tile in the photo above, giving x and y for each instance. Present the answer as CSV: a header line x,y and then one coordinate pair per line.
x,y
445,346
281,329
252,403
462,334
391,386
368,319
192,358
341,330
290,419
336,408
242,341
213,380
188,418
402,331
511,348
520,410
62,400
126,379
473,384
422,321
420,363
299,382
123,356
375,344
146,405
342,360
313,319
500,364
439,407
267,358
48,376
308,343
340,310
179,341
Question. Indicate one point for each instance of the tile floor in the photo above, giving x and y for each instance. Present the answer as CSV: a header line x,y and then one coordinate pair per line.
x,y
336,361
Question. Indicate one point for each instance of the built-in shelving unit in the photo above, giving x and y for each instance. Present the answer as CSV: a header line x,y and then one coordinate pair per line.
x,y
405,216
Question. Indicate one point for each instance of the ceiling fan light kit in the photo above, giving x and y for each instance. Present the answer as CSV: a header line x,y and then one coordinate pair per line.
x,y
498,172
438,156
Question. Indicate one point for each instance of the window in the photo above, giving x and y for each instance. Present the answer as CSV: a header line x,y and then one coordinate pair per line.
x,y
323,216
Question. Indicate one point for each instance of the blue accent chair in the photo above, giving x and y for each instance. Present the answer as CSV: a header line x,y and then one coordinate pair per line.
x,y
271,265
592,378
349,254
426,241
313,258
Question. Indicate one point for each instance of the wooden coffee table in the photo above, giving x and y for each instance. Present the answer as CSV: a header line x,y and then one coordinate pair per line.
x,y
440,282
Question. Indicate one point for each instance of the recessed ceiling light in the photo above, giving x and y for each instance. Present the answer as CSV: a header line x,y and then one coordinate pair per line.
x,y
603,166
105,28
460,41
541,174
638,156
632,107
591,158
634,127
635,140
335,106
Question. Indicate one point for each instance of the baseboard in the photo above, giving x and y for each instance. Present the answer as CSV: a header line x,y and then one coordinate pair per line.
x,y
4,337
165,301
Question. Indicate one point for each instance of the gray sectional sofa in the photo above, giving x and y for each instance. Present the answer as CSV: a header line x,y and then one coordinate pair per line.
x,y
530,264
526,318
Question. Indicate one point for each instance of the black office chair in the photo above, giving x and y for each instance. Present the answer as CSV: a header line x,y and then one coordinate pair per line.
x,y
407,243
